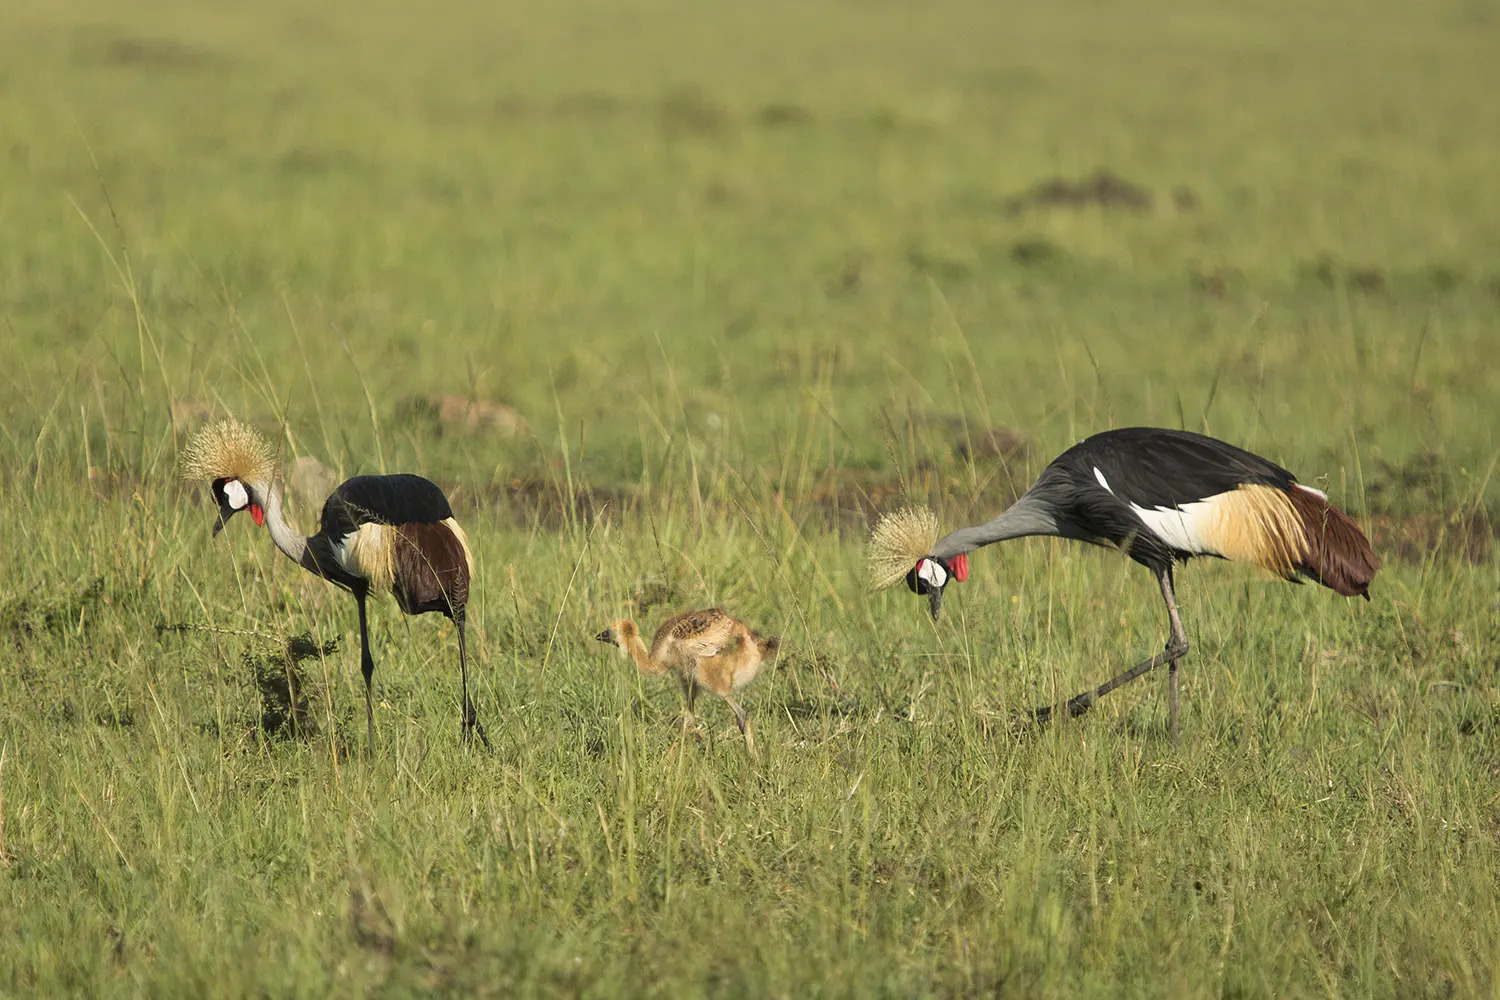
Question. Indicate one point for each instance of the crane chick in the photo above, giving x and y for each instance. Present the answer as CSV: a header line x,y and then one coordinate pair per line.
x,y
708,648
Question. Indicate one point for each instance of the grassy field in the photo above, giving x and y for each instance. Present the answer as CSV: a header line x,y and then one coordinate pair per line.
x,y
749,273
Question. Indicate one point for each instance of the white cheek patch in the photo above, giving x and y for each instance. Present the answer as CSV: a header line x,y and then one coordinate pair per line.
x,y
235,493
932,574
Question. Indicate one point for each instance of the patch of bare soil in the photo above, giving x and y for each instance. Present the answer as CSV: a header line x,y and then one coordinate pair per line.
x,y
30,616
691,112
286,698
1466,536
854,499
549,505
1004,444
1105,189
158,53
1416,516
456,414
1329,272
187,414
310,483
783,115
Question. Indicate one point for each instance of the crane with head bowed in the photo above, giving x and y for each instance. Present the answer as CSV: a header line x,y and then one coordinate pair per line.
x,y
376,533
1161,497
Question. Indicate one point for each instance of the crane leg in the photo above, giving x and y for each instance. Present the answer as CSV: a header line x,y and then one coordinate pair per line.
x,y
689,692
366,663
472,724
1177,648
744,723
1176,642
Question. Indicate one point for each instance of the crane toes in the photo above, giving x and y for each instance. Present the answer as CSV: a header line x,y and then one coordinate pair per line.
x,y
472,727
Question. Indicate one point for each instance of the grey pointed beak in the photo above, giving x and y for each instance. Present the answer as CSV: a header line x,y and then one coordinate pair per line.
x,y
919,582
222,520
605,636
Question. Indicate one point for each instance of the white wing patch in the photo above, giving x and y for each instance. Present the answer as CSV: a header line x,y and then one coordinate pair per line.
x,y
1188,527
1315,492
1100,476
344,553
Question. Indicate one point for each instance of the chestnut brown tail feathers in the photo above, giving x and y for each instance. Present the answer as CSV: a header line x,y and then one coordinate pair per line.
x,y
1338,555
431,564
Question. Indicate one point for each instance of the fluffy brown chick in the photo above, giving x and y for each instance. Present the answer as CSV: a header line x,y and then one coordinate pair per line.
x,y
709,648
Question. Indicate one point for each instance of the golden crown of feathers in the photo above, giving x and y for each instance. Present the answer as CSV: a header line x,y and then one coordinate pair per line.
x,y
227,449
899,540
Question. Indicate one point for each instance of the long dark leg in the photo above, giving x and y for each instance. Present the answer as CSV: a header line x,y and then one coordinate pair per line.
x,y
744,722
1177,647
1177,642
689,692
471,717
366,661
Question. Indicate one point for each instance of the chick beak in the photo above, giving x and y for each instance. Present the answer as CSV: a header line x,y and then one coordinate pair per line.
x,y
605,636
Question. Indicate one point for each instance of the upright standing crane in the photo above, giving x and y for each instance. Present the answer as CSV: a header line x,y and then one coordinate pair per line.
x,y
1161,497
378,533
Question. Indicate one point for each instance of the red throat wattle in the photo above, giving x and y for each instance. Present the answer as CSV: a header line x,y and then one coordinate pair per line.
x,y
257,514
961,567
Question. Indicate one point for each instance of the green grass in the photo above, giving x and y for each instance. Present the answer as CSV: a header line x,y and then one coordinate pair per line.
x,y
747,271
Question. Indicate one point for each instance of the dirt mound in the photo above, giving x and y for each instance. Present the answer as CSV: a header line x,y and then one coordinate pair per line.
x,y
1105,189
455,414
549,505
1468,537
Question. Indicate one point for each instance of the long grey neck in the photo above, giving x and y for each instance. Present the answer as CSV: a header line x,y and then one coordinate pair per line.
x,y
287,540
1027,516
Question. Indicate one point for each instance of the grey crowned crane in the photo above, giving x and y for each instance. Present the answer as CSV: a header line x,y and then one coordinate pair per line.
x,y
1161,497
376,533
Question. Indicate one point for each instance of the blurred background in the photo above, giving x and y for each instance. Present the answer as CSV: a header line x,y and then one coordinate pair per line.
x,y
594,229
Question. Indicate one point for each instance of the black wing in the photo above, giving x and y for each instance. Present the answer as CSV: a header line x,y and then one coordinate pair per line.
x,y
1152,467
399,499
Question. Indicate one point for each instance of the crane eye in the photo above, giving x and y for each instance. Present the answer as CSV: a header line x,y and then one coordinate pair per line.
x,y
235,494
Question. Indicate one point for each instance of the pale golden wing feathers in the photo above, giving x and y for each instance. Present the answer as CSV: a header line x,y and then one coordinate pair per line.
x,y
698,633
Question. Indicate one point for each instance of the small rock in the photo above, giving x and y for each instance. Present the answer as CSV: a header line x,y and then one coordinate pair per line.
x,y
189,413
992,442
475,415
311,481
1104,189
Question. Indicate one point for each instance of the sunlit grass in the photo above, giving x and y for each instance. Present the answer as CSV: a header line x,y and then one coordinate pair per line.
x,y
748,275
